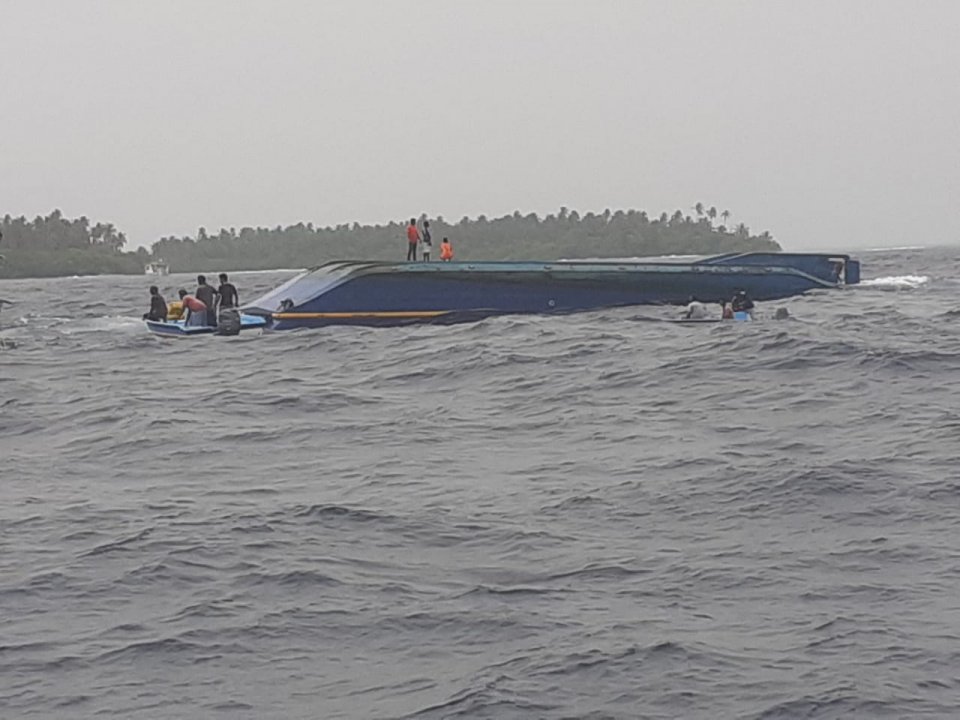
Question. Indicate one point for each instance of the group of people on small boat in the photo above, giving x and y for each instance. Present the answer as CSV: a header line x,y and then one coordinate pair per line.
x,y
202,308
416,237
739,307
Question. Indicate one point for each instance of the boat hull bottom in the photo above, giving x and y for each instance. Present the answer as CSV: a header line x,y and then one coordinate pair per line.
x,y
177,328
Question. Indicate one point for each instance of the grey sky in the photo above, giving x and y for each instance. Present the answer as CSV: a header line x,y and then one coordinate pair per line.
x,y
832,124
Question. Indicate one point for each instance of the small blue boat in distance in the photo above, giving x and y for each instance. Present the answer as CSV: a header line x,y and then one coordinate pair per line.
x,y
389,294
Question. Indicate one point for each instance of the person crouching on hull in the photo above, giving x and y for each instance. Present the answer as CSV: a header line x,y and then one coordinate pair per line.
x,y
446,250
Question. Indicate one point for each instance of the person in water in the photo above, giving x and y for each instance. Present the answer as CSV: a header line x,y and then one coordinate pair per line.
x,y
413,237
158,306
427,243
229,298
194,310
741,303
696,310
446,250
208,296
838,271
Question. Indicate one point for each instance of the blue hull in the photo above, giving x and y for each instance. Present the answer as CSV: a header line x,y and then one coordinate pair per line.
x,y
390,294
176,328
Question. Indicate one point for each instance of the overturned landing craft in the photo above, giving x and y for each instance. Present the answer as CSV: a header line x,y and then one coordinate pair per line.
x,y
386,294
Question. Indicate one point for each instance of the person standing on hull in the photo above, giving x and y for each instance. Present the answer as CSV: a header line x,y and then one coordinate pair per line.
x,y
427,244
413,237
446,250
158,306
194,311
208,296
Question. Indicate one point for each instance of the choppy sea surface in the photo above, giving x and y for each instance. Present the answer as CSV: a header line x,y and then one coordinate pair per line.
x,y
591,516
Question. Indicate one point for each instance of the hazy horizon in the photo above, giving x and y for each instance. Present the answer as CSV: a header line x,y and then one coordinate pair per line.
x,y
832,125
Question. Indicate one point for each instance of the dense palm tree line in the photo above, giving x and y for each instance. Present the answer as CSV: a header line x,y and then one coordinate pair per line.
x,y
54,245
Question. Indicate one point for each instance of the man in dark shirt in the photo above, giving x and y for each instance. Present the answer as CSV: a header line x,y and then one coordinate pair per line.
x,y
208,296
158,306
228,293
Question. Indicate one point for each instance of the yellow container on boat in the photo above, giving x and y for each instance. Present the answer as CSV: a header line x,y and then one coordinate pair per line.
x,y
174,310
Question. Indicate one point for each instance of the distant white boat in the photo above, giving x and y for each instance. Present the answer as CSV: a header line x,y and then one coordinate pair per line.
x,y
156,268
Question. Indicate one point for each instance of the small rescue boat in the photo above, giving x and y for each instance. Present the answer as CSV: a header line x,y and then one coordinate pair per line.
x,y
177,328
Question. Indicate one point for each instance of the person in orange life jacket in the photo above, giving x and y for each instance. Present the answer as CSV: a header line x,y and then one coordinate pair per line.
x,y
194,310
413,237
446,250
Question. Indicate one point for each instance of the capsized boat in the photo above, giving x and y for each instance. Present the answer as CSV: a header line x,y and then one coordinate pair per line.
x,y
385,294
177,328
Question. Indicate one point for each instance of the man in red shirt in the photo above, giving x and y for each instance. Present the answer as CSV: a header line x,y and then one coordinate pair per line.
x,y
413,237
195,312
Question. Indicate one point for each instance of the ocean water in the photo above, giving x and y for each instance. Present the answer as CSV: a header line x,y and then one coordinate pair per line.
x,y
592,516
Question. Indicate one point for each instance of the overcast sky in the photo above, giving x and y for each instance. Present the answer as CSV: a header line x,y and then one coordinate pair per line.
x,y
833,124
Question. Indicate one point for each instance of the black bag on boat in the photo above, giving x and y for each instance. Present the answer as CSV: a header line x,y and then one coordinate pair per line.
x,y
229,322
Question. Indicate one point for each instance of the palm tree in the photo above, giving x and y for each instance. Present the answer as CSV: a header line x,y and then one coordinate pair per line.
x,y
725,215
712,214
699,209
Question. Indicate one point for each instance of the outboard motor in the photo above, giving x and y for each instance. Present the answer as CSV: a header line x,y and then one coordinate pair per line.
x,y
229,322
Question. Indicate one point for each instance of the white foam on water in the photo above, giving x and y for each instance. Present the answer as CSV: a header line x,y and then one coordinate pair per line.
x,y
895,247
104,323
897,281
633,259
